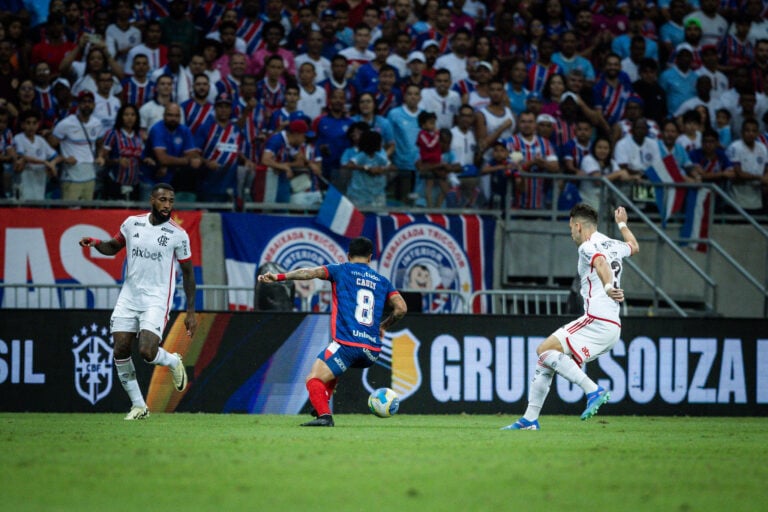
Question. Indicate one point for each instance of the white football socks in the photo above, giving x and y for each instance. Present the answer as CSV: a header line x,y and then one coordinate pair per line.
x,y
565,366
165,358
537,393
126,372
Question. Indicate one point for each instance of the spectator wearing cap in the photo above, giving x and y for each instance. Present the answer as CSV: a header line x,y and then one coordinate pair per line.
x,y
331,129
648,89
312,55
222,147
431,52
713,26
284,152
76,138
539,156
332,45
171,145
417,64
679,80
441,100
612,89
621,43
272,33
456,60
568,59
573,108
477,95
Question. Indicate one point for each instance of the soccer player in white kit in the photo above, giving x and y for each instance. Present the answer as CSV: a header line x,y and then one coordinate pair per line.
x,y
153,244
598,329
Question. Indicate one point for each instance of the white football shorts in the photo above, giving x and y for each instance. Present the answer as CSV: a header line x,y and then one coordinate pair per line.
x,y
129,320
587,337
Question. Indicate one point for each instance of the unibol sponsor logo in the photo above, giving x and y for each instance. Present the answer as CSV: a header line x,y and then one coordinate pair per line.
x,y
146,254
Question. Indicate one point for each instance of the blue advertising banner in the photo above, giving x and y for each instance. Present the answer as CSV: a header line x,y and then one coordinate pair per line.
x,y
430,252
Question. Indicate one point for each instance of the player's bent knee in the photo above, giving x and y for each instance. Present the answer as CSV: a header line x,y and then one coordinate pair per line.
x,y
551,343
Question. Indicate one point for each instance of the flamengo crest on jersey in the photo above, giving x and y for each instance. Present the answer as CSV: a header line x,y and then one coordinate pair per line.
x,y
596,302
151,255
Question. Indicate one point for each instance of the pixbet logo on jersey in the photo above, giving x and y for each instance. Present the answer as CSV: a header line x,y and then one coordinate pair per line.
x,y
93,362
137,252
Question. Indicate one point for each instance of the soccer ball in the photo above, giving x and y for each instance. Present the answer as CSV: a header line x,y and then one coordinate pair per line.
x,y
383,402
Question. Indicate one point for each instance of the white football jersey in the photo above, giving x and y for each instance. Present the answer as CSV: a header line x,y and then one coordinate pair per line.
x,y
596,302
151,253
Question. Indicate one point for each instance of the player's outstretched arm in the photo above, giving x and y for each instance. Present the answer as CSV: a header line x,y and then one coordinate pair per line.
x,y
300,274
107,247
620,215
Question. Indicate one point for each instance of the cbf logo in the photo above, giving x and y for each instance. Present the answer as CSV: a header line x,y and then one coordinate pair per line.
x,y
93,362
427,257
397,366
305,247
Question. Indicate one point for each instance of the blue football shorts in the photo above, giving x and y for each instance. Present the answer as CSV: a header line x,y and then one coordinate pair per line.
x,y
340,357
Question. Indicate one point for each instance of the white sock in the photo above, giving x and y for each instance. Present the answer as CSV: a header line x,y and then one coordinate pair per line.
x,y
542,380
566,367
165,358
126,372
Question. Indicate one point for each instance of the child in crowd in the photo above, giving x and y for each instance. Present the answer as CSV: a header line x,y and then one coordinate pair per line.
x,y
36,160
690,139
596,164
428,143
502,167
723,126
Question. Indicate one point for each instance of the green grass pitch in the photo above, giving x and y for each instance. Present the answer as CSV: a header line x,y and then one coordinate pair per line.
x,y
190,462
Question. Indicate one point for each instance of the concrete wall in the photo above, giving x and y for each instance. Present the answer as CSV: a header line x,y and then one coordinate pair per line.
x,y
543,248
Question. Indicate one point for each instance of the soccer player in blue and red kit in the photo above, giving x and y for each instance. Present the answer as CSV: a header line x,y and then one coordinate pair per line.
x,y
357,321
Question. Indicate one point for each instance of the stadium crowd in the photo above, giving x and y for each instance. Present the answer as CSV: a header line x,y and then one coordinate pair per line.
x,y
420,102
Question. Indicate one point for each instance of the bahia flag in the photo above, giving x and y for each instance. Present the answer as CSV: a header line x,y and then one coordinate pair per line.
x,y
696,224
338,214
669,200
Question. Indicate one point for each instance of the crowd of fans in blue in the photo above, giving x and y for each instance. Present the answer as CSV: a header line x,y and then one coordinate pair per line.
x,y
415,102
